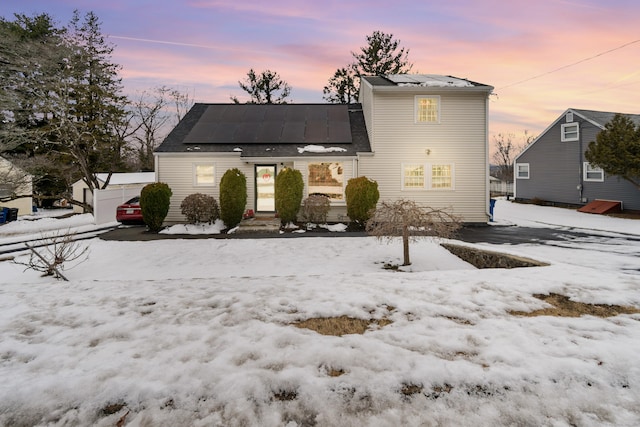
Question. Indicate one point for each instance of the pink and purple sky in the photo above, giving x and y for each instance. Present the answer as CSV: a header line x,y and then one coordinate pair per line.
x,y
541,56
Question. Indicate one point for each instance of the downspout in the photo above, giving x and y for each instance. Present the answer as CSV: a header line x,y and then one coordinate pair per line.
x,y
580,163
487,195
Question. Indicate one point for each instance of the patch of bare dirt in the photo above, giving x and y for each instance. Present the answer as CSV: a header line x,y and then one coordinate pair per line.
x,y
564,307
341,325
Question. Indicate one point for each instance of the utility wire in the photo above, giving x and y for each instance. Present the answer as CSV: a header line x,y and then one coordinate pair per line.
x,y
570,65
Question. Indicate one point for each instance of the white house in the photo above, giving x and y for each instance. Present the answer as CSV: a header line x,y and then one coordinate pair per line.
x,y
419,136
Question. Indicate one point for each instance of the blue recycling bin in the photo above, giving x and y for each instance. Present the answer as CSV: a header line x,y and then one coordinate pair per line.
x,y
492,204
4,213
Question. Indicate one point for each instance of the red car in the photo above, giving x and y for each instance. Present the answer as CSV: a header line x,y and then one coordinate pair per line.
x,y
130,212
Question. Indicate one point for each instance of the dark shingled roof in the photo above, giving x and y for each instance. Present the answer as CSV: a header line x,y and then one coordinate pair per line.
x,y
270,130
604,117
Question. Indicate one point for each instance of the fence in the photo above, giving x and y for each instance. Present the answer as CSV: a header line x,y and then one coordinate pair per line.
x,y
501,188
106,201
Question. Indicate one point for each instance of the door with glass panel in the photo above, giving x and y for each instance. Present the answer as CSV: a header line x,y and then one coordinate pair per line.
x,y
265,176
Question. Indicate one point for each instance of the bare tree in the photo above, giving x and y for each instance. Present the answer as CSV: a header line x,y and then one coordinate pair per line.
x,y
154,113
507,149
54,253
406,219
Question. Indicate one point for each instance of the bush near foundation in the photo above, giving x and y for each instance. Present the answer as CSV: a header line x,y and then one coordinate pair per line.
x,y
200,208
154,204
289,187
362,196
315,208
233,197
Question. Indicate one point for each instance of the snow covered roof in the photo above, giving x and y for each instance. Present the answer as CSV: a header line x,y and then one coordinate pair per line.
x,y
424,81
428,80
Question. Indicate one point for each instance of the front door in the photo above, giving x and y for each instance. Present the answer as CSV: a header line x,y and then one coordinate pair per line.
x,y
265,177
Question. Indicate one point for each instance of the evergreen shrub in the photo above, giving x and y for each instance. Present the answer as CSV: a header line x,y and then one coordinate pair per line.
x,y
154,203
200,208
289,187
362,196
233,197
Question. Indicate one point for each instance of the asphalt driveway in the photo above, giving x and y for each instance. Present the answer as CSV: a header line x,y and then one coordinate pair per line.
x,y
498,234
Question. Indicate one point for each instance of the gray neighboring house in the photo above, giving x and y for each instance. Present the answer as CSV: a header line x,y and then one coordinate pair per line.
x,y
553,168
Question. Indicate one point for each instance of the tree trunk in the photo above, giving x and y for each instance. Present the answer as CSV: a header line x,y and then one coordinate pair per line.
x,y
405,244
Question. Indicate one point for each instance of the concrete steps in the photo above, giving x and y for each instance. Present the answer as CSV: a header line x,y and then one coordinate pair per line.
x,y
259,225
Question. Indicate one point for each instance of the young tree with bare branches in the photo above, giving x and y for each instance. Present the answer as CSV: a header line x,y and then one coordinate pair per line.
x,y
50,254
507,149
154,113
406,219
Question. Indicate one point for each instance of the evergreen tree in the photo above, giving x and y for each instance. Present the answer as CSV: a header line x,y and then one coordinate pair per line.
x,y
31,51
264,88
381,56
617,149
60,92
341,88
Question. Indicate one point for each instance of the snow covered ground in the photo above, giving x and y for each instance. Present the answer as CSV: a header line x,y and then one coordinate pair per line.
x,y
198,332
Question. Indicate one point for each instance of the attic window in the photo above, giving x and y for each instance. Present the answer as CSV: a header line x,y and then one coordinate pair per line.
x,y
569,132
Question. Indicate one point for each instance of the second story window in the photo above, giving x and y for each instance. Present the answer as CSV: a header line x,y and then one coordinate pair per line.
x,y
427,109
569,132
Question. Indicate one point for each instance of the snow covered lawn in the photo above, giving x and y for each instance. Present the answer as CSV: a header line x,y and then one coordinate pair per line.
x,y
199,333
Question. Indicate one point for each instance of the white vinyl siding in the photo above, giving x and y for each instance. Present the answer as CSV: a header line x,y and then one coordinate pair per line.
x,y
591,173
569,132
178,171
460,139
522,170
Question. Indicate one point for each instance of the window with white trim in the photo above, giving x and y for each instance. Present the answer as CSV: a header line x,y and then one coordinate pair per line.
x,y
569,132
522,170
326,178
427,109
412,176
592,173
204,175
419,176
442,177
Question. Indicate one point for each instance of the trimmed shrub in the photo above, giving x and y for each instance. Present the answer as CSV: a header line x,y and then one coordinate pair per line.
x,y
199,208
289,187
315,208
233,197
362,196
154,203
